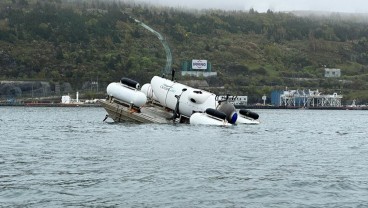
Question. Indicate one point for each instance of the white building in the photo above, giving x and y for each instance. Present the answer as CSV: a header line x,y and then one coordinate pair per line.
x,y
198,73
236,100
65,99
332,72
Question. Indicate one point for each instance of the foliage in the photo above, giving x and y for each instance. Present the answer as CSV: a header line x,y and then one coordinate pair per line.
x,y
76,41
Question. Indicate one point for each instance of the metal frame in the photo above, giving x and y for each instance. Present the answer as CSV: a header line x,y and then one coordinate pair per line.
x,y
309,99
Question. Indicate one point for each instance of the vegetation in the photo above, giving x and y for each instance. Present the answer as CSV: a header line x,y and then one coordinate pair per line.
x,y
253,53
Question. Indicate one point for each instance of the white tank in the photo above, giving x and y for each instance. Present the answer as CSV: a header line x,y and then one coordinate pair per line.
x,y
191,100
147,90
129,95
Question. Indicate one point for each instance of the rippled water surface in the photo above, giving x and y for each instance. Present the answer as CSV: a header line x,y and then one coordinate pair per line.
x,y
68,157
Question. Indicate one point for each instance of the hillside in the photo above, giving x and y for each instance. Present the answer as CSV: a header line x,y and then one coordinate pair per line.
x,y
253,53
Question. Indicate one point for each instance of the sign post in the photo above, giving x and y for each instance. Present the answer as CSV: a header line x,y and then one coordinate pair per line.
x,y
199,64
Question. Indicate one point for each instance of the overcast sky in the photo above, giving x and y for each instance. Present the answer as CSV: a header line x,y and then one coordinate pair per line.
x,y
350,6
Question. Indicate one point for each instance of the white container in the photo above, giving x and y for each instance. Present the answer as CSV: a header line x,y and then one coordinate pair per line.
x,y
128,95
147,90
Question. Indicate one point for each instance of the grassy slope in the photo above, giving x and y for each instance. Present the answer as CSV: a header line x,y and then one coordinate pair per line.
x,y
247,63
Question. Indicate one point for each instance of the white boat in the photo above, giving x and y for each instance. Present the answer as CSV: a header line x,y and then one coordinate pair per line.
x,y
165,101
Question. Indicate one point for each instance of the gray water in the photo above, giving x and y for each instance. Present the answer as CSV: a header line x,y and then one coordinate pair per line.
x,y
68,157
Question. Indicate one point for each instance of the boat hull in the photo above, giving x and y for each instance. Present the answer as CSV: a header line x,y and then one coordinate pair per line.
x,y
205,119
122,112
244,120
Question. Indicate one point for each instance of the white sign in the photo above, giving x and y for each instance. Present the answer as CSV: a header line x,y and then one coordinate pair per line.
x,y
199,64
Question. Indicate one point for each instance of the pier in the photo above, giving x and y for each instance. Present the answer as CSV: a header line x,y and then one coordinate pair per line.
x,y
306,99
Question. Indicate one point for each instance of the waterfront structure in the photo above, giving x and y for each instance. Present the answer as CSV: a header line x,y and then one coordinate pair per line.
x,y
303,98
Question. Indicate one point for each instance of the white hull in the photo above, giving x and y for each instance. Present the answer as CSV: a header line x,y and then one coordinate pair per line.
x,y
205,119
245,120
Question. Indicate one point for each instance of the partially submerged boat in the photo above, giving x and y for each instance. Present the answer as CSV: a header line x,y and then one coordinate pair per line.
x,y
166,101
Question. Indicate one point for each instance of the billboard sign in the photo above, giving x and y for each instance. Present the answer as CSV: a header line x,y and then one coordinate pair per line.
x,y
199,64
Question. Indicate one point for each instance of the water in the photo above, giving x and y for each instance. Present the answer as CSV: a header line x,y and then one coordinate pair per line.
x,y
68,157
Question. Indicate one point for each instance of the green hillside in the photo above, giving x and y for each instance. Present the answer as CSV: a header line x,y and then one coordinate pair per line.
x,y
253,53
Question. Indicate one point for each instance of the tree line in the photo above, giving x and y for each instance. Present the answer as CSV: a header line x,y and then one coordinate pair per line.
x,y
71,41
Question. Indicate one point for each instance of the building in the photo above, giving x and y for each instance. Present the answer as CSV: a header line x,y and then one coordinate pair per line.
x,y
332,72
303,98
197,68
236,100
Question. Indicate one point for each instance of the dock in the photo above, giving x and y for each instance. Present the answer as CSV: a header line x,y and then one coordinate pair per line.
x,y
149,113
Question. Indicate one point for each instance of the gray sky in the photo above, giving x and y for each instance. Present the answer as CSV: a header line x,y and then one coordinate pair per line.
x,y
350,6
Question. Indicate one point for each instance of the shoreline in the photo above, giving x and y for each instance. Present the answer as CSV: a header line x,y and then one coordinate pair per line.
x,y
49,105
236,106
300,108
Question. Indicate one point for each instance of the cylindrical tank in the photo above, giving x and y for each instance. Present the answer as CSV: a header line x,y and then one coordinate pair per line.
x,y
249,113
216,113
147,90
191,100
126,94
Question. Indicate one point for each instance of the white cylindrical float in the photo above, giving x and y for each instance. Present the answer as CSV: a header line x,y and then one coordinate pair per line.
x,y
147,90
247,117
244,120
126,94
211,117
